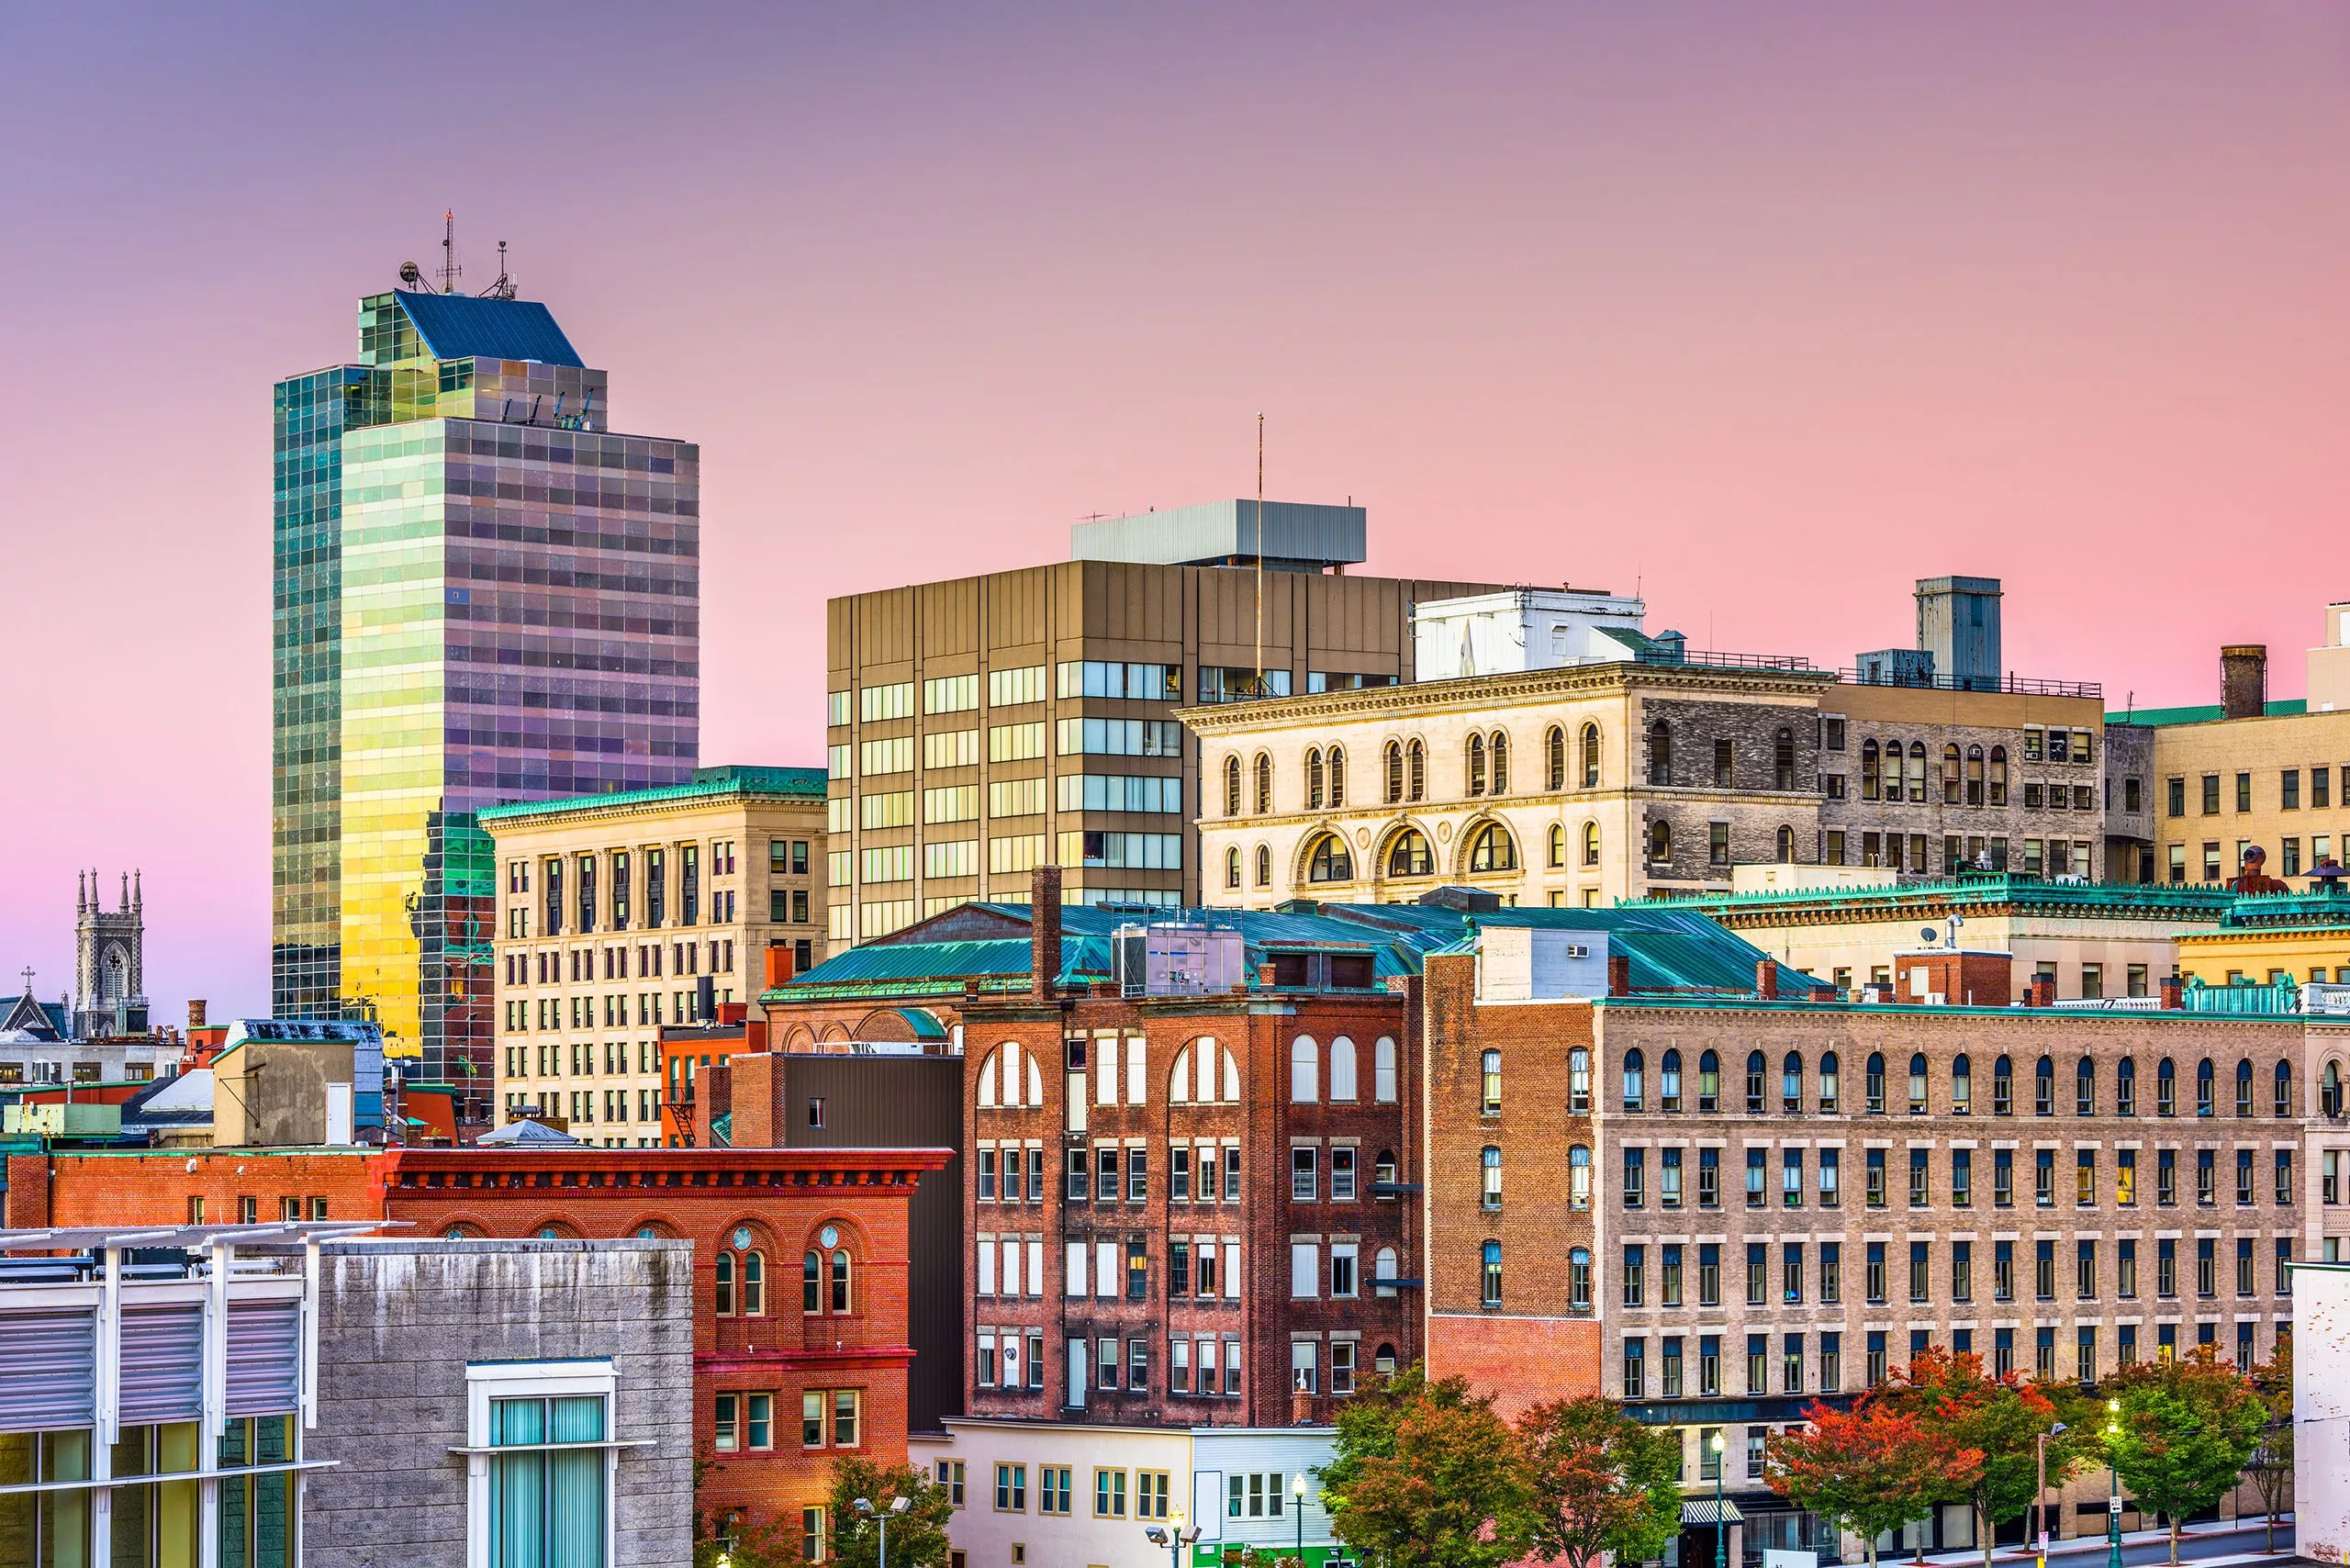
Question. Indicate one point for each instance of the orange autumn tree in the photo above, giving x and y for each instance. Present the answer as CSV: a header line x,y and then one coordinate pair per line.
x,y
2000,1417
1869,1469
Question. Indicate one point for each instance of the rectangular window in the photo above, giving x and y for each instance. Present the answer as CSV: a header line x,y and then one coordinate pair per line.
x,y
1011,1488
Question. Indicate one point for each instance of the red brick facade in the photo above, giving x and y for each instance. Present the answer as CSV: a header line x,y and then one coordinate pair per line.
x,y
150,1187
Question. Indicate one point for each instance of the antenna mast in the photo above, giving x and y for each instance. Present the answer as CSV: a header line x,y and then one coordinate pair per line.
x,y
1260,555
450,270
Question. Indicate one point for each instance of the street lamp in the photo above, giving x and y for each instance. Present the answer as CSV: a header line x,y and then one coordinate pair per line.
x,y
1174,1537
2113,1502
1721,1525
1297,1508
2040,1497
882,1516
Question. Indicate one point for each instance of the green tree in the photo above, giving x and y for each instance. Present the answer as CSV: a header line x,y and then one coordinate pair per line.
x,y
1425,1475
2001,1416
1597,1481
2185,1429
917,1537
1869,1469
2272,1462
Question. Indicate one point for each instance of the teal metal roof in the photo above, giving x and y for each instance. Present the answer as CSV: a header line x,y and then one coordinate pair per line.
x,y
2089,897
2288,911
708,783
2210,713
1670,949
465,325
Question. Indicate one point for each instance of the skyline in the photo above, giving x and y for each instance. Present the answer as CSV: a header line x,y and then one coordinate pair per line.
x,y
1768,317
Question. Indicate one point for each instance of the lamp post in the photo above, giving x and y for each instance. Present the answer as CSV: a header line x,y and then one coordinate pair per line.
x,y
2113,1500
1721,1524
1174,1537
2040,1496
1297,1508
880,1517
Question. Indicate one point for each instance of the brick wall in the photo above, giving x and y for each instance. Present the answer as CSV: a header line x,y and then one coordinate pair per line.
x,y
89,1188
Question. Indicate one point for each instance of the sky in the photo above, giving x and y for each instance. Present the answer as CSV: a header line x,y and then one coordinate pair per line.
x,y
1763,311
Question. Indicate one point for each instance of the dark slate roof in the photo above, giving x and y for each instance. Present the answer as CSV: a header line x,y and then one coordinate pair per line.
x,y
464,326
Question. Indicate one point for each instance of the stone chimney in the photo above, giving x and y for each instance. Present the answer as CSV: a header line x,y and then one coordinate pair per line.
x,y
1766,979
2244,680
195,1012
1044,929
779,969
2174,991
1619,974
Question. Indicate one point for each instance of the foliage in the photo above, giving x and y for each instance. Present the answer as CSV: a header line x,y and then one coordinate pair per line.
x,y
2272,1462
769,1545
2185,1429
1869,1469
917,1537
1598,1481
1426,1475
1999,1416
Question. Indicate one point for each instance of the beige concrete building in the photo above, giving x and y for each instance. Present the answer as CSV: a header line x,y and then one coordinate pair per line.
x,y
615,912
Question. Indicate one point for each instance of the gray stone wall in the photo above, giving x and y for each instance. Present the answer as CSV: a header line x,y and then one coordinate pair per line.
x,y
398,1323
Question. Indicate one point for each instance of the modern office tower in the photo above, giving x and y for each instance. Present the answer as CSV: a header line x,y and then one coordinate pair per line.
x,y
986,725
481,595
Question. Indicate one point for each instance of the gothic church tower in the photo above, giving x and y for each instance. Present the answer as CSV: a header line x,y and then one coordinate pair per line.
x,y
109,975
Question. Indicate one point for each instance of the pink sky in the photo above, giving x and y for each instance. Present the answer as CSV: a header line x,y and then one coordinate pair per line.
x,y
1767,310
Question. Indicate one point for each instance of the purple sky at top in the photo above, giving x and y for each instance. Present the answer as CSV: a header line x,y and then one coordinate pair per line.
x,y
1769,311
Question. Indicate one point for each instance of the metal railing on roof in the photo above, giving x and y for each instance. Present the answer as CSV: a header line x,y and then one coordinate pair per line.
x,y
1992,886
2013,684
1715,659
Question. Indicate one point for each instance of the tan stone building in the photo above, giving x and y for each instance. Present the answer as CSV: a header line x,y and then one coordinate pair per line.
x,y
615,912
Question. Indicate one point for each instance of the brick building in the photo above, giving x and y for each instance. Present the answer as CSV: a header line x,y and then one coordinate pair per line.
x,y
239,1186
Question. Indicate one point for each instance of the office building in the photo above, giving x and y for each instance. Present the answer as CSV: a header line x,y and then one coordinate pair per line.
x,y
614,911
482,593
987,725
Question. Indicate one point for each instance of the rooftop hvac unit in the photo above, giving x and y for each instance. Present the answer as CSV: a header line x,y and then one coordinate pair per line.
x,y
1176,959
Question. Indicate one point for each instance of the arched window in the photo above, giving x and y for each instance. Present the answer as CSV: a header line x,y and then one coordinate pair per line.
x,y
2166,1088
1383,1275
2206,1089
2329,1089
1667,1083
2243,1086
1591,844
1915,775
1558,841
1342,1071
2284,1101
1660,842
1408,855
1501,762
811,1282
2125,1087
1790,1085
1232,786
2085,1088
1591,756
1951,784
1998,789
1476,765
1784,845
1416,762
1756,1069
1197,1078
1489,1081
755,1284
1382,1176
1264,867
1579,1082
1264,783
1382,1071
2043,1087
1232,868
1974,776
1010,1077
1635,1081
1578,1177
1829,1074
1305,1071
1871,779
1314,778
1492,850
1875,1084
1489,1177
840,1279
1961,1085
1338,777
1490,1273
1783,761
1660,753
1554,758
722,1285
1709,1082
1330,862
1392,766
1916,1084
2003,1088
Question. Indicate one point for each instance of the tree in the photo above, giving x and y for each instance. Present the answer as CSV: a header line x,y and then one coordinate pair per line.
x,y
1425,1474
1869,1469
2001,1418
2185,1429
917,1537
2272,1462
1597,1481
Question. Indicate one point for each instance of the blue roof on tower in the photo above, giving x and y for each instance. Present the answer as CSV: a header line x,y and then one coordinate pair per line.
x,y
464,326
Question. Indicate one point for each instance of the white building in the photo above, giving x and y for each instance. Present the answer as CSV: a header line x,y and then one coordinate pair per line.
x,y
1089,1497
2321,1410
1526,628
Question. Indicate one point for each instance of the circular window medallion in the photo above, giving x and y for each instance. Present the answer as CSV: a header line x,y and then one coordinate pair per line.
x,y
829,1235
741,1236
549,1233
647,1233
1444,832
1362,838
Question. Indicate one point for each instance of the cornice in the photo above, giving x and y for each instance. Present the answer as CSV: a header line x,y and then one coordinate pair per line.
x,y
1483,693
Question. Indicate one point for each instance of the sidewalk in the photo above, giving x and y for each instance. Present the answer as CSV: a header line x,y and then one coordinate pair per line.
x,y
2080,1546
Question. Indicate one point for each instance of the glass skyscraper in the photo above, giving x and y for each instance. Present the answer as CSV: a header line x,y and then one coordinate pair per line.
x,y
481,595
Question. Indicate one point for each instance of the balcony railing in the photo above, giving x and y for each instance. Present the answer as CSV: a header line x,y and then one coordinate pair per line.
x,y
2013,684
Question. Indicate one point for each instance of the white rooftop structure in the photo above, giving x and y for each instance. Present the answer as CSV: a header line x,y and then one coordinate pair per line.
x,y
1530,628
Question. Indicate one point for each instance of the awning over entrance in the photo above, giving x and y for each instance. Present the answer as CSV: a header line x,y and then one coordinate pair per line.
x,y
1696,1511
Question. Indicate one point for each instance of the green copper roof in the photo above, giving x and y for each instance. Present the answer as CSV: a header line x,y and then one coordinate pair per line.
x,y
2152,717
2207,900
2288,911
707,784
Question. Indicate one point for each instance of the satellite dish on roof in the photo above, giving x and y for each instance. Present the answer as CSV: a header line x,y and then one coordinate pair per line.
x,y
411,274
1927,933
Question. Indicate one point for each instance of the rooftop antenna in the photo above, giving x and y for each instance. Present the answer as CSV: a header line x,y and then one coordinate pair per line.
x,y
1260,554
504,287
450,270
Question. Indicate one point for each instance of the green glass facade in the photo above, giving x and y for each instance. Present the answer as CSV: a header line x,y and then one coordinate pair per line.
x,y
483,596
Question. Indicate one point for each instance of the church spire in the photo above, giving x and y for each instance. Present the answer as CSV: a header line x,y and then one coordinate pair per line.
x,y
126,892
138,897
81,895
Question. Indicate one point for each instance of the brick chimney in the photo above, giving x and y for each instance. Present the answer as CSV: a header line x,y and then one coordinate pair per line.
x,y
2244,680
1766,981
2044,990
780,967
1044,929
1619,974
195,1012
2174,991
